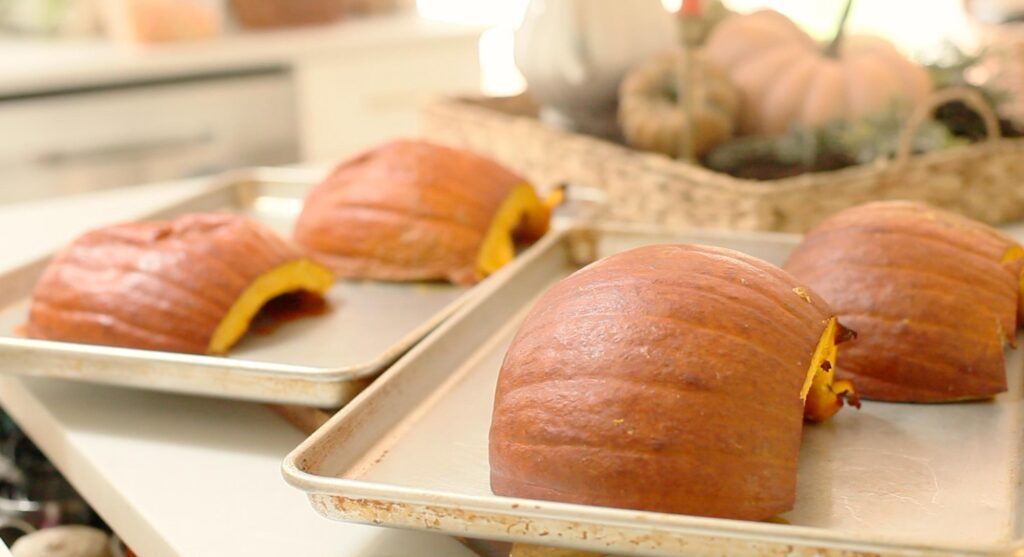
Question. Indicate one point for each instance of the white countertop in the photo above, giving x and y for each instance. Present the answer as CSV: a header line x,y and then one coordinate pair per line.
x,y
174,475
32,65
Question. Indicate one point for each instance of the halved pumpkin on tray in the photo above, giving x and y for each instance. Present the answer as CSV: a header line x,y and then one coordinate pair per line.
x,y
933,295
412,210
191,285
670,378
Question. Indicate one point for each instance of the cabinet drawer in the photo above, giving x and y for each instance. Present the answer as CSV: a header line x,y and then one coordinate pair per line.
x,y
82,141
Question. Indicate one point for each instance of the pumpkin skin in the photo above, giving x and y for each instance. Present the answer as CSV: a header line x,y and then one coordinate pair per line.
x,y
188,285
785,79
666,378
653,120
412,210
933,296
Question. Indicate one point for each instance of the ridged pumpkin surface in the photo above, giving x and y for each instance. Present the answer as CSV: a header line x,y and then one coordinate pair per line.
x,y
412,210
932,295
168,285
666,378
785,78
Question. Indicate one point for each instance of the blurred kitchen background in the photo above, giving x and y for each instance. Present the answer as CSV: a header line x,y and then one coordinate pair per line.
x,y
98,94
105,93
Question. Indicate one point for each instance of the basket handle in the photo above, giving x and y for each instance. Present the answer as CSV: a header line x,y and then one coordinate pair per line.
x,y
923,111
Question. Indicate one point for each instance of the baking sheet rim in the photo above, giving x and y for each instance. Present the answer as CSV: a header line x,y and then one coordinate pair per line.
x,y
516,508
227,181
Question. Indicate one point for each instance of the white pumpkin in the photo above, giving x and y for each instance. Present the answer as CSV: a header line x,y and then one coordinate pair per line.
x,y
574,53
786,78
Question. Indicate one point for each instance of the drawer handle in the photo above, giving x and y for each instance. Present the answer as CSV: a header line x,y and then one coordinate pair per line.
x,y
120,150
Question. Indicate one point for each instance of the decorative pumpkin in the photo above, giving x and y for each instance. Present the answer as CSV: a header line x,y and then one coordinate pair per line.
x,y
786,78
671,378
933,296
189,285
654,118
412,210
571,66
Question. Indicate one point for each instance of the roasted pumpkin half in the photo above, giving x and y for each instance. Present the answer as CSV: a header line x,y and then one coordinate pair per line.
x,y
412,210
191,285
671,378
934,297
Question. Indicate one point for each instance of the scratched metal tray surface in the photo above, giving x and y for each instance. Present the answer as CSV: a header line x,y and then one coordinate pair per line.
x,y
316,361
888,480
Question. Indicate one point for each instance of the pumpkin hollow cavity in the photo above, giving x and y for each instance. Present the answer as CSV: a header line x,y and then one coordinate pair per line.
x,y
822,394
521,216
293,276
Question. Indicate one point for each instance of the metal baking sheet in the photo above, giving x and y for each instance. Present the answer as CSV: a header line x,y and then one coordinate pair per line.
x,y
888,480
318,361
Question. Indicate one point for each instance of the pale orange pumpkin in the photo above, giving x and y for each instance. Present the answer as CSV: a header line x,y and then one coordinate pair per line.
x,y
786,78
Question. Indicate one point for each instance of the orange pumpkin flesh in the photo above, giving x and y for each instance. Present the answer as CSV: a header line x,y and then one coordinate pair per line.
x,y
189,285
299,274
521,215
934,297
667,378
412,210
822,394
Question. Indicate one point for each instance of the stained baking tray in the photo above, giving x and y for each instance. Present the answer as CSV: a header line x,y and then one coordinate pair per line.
x,y
888,480
319,361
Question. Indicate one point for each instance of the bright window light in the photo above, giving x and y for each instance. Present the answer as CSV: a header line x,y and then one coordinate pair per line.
x,y
898,21
497,63
473,12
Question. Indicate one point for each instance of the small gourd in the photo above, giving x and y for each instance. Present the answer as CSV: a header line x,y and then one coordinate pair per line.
x,y
655,118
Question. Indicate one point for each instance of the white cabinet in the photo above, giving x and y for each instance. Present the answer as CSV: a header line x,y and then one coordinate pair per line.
x,y
84,116
114,136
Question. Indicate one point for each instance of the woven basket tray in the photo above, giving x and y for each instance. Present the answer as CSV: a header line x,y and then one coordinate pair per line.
x,y
984,180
